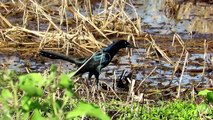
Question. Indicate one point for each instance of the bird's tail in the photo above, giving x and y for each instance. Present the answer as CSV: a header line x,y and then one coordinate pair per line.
x,y
54,55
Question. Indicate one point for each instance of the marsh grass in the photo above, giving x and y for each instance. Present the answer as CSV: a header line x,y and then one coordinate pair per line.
x,y
65,25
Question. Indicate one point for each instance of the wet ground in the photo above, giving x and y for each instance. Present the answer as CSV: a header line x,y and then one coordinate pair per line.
x,y
140,62
193,23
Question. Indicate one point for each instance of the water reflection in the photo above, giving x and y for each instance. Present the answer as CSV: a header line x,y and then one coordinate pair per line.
x,y
189,18
143,67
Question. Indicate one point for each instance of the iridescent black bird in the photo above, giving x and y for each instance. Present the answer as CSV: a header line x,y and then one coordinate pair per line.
x,y
96,62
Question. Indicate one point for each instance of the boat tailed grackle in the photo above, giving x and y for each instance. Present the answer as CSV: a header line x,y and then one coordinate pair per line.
x,y
96,62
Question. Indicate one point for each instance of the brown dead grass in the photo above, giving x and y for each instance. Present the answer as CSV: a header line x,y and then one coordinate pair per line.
x,y
63,27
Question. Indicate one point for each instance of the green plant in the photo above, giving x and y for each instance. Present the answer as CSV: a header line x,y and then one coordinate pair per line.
x,y
205,108
162,110
37,96
207,94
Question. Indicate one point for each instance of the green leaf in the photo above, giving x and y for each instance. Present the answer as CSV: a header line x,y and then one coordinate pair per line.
x,y
31,90
6,94
36,78
64,81
202,107
59,103
69,93
25,116
84,109
71,74
210,96
37,115
25,103
53,68
31,84
53,73
204,92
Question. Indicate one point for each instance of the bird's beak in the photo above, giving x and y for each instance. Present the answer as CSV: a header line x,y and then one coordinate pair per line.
x,y
131,46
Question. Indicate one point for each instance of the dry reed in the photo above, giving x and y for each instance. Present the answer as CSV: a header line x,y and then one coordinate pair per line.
x,y
62,26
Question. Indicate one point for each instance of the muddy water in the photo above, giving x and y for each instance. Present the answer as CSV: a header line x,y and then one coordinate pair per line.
x,y
143,65
188,18
190,22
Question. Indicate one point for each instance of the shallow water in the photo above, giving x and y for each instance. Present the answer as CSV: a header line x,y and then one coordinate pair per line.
x,y
190,18
190,21
143,67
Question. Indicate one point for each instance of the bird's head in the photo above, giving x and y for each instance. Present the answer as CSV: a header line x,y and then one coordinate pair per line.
x,y
117,45
124,44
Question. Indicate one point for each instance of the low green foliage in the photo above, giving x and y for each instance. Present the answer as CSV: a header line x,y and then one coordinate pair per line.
x,y
208,94
87,109
51,95
204,108
163,110
37,97
32,84
209,97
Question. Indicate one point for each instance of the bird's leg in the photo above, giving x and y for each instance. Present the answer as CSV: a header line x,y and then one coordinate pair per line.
x,y
89,78
97,78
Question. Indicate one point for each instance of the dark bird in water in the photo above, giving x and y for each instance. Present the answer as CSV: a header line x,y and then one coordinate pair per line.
x,y
96,62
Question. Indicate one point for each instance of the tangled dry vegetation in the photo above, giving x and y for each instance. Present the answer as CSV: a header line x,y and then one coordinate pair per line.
x,y
62,26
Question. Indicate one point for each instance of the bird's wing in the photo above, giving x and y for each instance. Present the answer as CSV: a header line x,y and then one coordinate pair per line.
x,y
96,62
102,60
